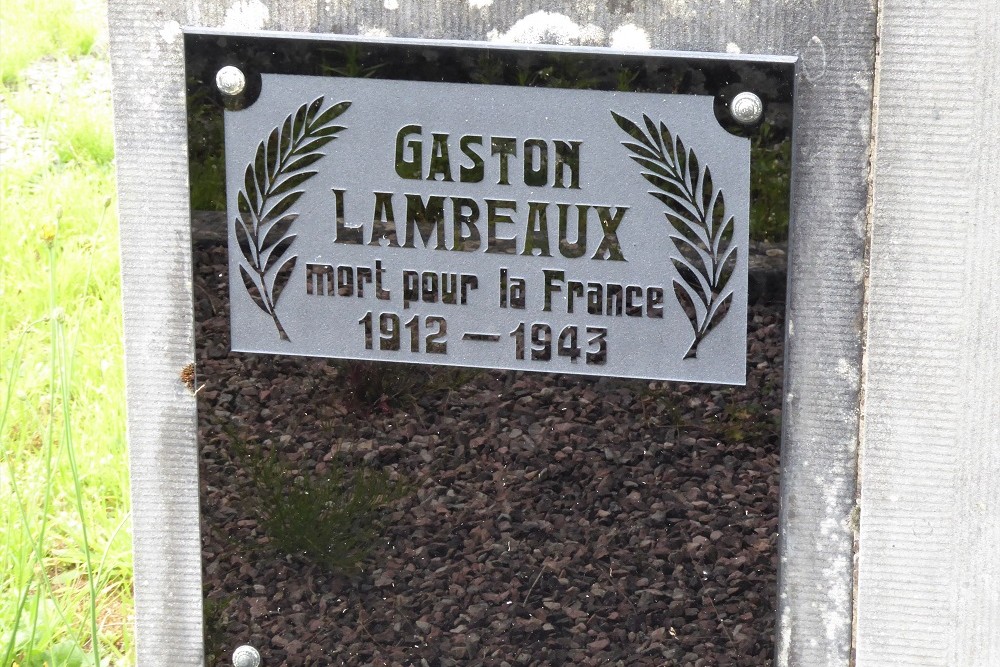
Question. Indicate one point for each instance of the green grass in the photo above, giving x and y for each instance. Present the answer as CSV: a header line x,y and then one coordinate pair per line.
x,y
65,548
39,28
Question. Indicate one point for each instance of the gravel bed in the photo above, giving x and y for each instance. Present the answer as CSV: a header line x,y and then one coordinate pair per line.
x,y
552,520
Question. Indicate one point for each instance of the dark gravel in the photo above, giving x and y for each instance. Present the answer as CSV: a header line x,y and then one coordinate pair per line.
x,y
554,520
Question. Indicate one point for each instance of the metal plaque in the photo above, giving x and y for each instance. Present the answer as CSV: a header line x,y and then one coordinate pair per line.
x,y
386,235
577,231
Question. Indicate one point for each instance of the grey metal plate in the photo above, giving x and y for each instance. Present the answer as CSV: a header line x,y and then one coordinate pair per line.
x,y
577,231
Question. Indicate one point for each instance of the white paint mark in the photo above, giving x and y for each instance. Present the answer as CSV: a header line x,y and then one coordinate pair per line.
x,y
836,531
480,4
733,47
814,60
391,5
630,37
246,15
377,33
592,35
846,371
680,8
838,599
863,81
784,645
170,32
549,28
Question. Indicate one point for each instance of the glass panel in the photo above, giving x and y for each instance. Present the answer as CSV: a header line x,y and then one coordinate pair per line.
x,y
362,511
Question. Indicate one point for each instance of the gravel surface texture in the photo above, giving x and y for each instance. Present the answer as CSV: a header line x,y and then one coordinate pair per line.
x,y
550,519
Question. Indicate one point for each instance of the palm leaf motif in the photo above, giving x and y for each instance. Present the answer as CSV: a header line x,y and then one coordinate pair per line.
x,y
269,191
696,211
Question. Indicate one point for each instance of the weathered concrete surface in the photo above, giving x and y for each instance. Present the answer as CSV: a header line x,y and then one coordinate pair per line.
x,y
929,560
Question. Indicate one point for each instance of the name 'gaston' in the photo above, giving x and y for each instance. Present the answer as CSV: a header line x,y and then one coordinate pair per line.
x,y
491,225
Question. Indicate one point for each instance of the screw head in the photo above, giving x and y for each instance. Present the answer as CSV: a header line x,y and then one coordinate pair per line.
x,y
230,80
746,108
246,656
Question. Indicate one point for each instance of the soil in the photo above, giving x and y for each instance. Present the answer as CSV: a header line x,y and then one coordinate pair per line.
x,y
548,519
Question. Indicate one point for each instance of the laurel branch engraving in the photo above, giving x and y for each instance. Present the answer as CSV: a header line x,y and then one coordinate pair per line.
x,y
269,192
696,211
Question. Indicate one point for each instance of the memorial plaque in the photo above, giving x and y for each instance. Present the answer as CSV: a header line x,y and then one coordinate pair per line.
x,y
489,226
386,235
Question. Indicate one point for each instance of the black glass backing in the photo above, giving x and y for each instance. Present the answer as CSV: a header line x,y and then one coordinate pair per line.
x,y
361,513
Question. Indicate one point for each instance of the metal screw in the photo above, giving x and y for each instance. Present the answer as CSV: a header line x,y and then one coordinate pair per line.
x,y
230,80
246,656
746,108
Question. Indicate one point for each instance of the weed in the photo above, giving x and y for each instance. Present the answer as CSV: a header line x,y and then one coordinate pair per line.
x,y
331,519
769,188
205,153
626,79
215,613
665,401
350,63
744,422
489,69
